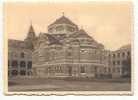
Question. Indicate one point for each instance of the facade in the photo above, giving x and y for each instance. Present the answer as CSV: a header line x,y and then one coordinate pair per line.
x,y
65,51
20,56
120,61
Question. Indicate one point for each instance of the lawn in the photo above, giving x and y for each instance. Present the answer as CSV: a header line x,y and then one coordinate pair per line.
x,y
44,84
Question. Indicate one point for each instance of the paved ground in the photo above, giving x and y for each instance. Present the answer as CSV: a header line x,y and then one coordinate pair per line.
x,y
44,84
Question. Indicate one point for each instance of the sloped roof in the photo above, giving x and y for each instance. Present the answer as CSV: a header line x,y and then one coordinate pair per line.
x,y
31,29
80,33
52,39
63,20
17,44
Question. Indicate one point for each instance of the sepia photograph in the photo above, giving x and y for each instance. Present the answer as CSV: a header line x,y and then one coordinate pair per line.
x,y
68,48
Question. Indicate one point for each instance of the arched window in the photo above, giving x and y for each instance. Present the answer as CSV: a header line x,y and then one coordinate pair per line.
x,y
29,65
22,55
22,64
14,63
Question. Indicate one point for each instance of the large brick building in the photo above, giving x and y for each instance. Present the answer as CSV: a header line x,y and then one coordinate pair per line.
x,y
65,51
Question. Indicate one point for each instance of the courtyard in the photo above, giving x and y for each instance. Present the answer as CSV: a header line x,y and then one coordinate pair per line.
x,y
68,84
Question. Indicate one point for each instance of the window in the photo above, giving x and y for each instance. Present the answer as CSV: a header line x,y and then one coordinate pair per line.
x,y
95,68
105,70
22,72
22,55
8,63
14,63
82,69
118,62
14,72
29,65
123,54
113,62
22,64
109,55
113,55
128,53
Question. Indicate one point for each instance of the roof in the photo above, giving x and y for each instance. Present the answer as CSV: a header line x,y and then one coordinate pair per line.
x,y
80,33
128,46
17,44
63,20
52,39
31,29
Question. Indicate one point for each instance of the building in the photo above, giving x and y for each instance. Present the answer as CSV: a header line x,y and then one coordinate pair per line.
x,y
120,61
65,51
20,55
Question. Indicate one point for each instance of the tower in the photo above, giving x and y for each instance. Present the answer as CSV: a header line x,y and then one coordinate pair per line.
x,y
31,37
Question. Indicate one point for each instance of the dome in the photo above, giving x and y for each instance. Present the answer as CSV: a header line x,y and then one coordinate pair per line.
x,y
63,20
63,25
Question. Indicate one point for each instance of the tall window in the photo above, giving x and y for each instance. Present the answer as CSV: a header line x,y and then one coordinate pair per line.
x,y
82,69
113,55
123,54
118,62
22,64
29,65
14,63
128,53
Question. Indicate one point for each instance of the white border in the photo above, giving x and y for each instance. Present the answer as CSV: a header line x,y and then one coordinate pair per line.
x,y
80,97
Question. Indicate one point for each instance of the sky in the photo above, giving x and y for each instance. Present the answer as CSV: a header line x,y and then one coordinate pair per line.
x,y
110,23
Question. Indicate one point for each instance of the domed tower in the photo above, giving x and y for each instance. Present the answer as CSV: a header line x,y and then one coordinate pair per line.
x,y
31,37
62,26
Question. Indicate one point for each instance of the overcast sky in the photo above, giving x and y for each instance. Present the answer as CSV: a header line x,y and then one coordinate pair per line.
x,y
108,23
